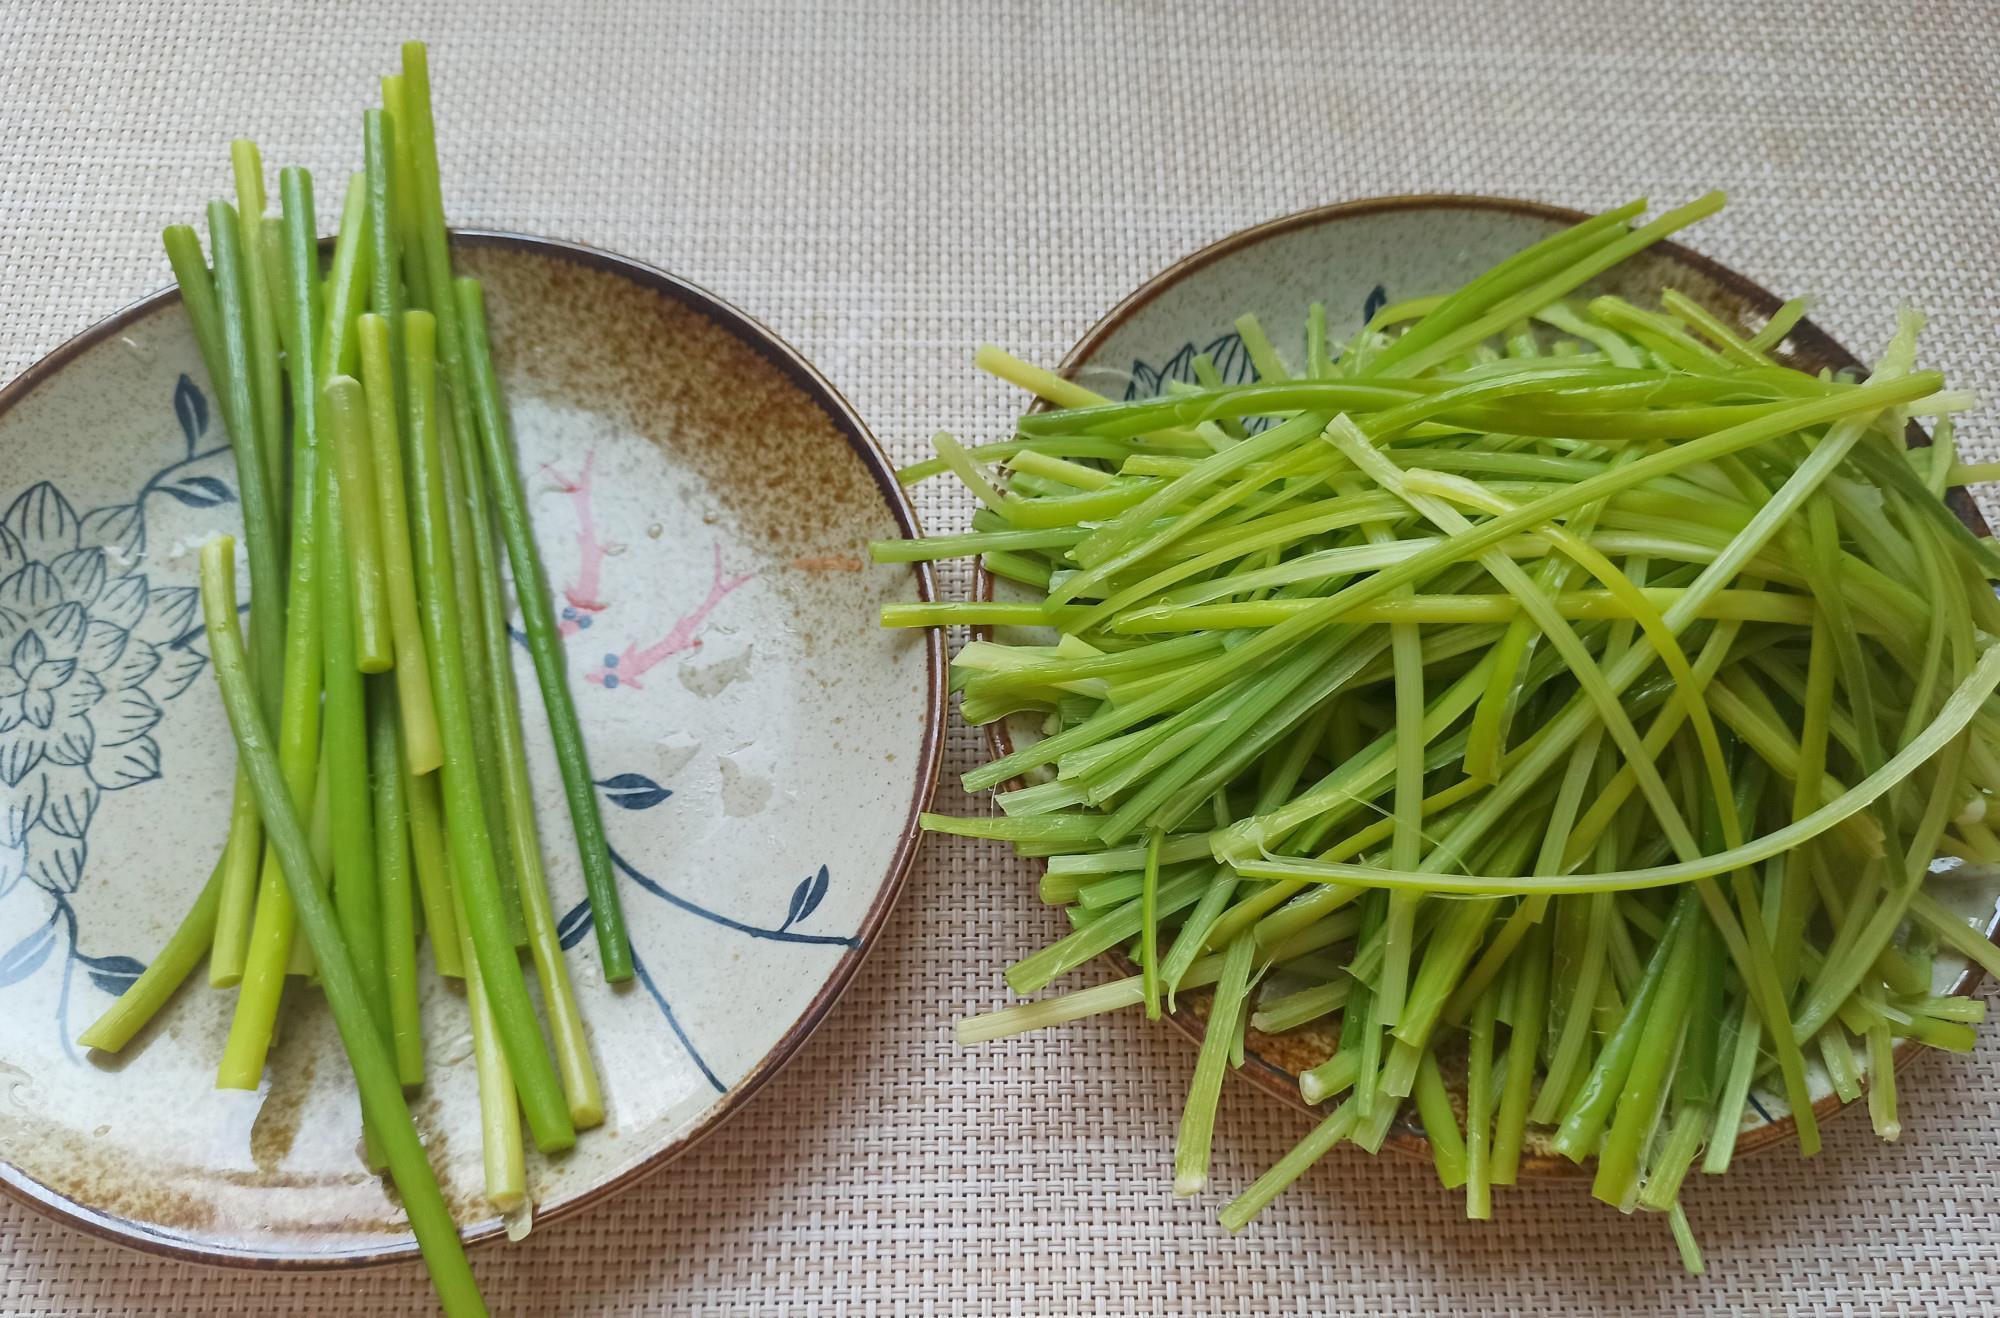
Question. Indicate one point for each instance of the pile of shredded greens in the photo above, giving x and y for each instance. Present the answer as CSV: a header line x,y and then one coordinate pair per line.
x,y
1582,714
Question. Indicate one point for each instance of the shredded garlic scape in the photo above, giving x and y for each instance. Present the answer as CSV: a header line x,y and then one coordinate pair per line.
x,y
1540,693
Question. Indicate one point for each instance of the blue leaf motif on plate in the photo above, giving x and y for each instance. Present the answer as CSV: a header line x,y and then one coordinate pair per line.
x,y
576,925
179,666
199,491
806,897
119,526
1230,358
191,410
170,610
42,522
634,791
1145,381
91,650
25,957
113,974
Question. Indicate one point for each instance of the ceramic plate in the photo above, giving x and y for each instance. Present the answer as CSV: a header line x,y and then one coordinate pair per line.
x,y
1356,258
703,499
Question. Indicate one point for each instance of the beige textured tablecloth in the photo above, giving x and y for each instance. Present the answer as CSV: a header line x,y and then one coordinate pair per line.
x,y
889,185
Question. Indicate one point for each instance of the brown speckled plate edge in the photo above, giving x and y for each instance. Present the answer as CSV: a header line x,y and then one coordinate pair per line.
x,y
868,451
1809,345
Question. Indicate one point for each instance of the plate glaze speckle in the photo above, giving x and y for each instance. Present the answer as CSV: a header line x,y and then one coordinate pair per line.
x,y
1355,258
703,500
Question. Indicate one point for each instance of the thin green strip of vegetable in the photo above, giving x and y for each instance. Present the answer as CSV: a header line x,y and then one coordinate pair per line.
x,y
339,354
471,555
1684,1241
1530,1010
416,134
1274,1016
260,306
1882,1083
385,237
1258,345
1956,932
1111,929
1574,1038
1593,1105
1434,609
1064,1007
1149,926
1479,1111
394,880
1670,1163
566,1031
221,306
1518,271
1440,1123
242,852
1842,1067
271,931
379,335
344,294
142,999
1643,1090
1319,365
204,312
1554,287
356,897
270,255
403,187
1197,1129
503,1158
431,859
544,641
471,843
1289,1168
1361,1027
374,1069
930,547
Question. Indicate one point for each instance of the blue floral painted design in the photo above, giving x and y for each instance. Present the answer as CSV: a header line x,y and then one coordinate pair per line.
x,y
1231,358
635,791
91,650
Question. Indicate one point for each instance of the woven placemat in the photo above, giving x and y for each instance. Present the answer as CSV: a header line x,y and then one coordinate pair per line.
x,y
888,185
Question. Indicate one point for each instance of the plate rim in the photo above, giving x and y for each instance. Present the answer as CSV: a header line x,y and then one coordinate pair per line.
x,y
1813,343
17,1185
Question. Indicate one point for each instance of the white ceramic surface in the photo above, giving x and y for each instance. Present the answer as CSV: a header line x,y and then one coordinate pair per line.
x,y
703,500
1355,258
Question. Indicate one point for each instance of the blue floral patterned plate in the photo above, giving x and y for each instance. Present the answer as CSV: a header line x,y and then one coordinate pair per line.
x,y
1355,257
703,498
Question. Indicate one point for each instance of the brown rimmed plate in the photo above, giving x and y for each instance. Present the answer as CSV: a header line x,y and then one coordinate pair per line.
x,y
704,499
1356,257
